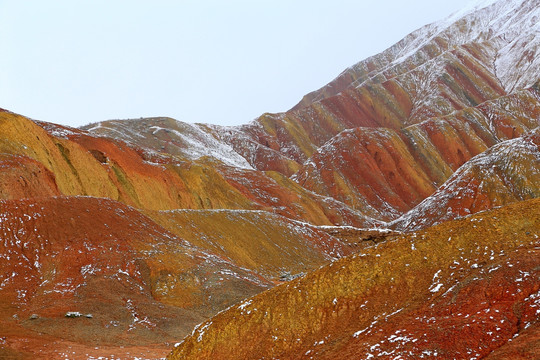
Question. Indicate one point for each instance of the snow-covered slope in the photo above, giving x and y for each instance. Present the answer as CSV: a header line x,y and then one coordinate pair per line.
x,y
191,141
486,51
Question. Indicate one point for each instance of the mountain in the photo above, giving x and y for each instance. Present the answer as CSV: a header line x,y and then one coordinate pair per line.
x,y
493,30
387,214
460,62
84,164
427,153
444,94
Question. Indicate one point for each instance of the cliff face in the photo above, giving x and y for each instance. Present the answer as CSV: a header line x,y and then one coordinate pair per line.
x,y
506,173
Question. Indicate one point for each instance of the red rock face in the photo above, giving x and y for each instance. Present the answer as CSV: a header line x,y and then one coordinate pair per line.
x,y
506,173
23,177
367,168
276,193
393,171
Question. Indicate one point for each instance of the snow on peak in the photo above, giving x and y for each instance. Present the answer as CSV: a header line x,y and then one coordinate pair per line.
x,y
472,6
192,141
201,143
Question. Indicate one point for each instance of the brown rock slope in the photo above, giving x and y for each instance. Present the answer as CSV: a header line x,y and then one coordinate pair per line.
x,y
370,169
143,285
478,292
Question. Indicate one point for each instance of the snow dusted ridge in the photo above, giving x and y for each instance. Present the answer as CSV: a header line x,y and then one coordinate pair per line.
x,y
508,28
505,38
513,26
472,6
192,141
200,143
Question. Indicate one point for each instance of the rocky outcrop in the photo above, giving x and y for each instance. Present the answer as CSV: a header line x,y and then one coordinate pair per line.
x,y
506,173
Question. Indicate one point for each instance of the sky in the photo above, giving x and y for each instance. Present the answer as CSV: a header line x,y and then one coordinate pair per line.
x,y
75,62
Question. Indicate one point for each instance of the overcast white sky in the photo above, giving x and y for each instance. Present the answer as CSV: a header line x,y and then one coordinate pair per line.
x,y
225,62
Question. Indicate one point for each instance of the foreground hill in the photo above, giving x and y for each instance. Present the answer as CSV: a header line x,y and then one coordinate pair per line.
x,y
479,292
143,285
140,283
